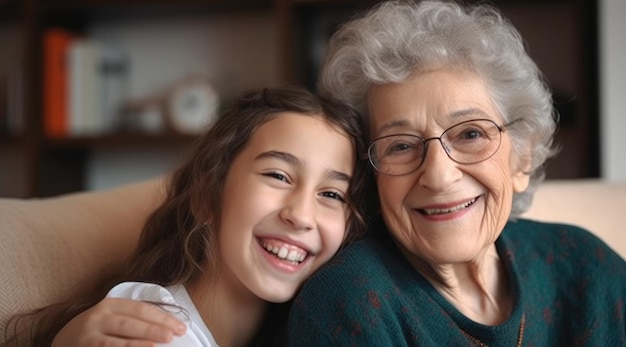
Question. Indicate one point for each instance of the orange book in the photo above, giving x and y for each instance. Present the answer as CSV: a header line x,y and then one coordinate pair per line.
x,y
55,82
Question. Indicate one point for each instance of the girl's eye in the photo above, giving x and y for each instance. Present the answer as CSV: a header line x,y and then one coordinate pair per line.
x,y
277,176
334,195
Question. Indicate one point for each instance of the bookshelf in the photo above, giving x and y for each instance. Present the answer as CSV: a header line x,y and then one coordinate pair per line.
x,y
238,44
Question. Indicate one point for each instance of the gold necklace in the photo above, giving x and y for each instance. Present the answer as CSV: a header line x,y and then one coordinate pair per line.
x,y
520,336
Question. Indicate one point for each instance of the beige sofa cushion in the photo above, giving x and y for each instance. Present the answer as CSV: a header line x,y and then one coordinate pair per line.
x,y
54,247
591,203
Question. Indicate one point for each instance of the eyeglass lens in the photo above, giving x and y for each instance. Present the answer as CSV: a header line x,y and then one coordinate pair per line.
x,y
466,143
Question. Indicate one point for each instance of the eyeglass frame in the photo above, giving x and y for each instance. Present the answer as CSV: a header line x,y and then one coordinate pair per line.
x,y
501,129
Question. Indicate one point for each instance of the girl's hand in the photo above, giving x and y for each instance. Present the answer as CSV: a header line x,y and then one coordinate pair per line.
x,y
115,322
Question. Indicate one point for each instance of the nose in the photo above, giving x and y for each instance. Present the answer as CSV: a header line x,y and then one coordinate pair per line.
x,y
437,171
299,211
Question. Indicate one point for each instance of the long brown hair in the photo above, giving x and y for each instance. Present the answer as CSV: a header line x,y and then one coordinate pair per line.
x,y
178,242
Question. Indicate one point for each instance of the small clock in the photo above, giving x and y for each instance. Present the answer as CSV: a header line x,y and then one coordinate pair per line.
x,y
192,105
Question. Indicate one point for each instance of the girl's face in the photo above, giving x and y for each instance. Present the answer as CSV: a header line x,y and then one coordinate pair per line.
x,y
284,212
444,212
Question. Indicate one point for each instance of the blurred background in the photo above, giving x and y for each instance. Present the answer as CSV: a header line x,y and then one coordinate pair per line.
x,y
98,93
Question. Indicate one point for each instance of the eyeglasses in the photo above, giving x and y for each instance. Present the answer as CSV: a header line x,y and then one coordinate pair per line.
x,y
468,142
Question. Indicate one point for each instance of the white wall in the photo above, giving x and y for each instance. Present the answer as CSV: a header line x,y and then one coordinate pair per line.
x,y
613,89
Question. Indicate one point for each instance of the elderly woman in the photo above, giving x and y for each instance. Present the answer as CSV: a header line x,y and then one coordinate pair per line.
x,y
460,125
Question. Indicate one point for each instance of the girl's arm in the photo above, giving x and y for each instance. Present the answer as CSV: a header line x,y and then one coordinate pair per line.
x,y
115,322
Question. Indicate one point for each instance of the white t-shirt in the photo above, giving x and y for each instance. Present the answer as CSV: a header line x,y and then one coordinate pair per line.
x,y
176,300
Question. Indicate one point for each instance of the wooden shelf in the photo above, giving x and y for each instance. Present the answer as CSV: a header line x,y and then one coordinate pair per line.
x,y
10,10
150,7
119,140
77,4
78,14
11,140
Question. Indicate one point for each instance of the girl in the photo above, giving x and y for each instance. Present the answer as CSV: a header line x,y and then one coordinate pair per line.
x,y
272,191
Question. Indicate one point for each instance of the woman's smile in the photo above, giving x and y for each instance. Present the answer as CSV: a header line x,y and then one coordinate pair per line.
x,y
446,210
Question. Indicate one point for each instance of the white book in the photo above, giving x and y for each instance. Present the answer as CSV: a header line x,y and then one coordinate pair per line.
x,y
75,58
85,85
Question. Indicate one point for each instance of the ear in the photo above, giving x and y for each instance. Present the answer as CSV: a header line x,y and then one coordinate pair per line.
x,y
520,180
520,175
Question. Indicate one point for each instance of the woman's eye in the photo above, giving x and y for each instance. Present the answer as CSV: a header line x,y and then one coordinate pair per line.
x,y
277,176
399,147
334,195
471,134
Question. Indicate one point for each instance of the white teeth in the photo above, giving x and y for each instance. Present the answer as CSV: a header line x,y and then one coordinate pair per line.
x,y
282,253
432,211
293,255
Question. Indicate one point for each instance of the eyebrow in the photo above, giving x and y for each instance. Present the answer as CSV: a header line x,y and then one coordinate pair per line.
x,y
400,123
468,112
293,160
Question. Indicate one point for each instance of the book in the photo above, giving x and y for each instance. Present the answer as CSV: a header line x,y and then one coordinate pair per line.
x,y
97,76
56,43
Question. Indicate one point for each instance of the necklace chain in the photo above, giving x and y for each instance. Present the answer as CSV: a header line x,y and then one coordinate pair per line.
x,y
520,336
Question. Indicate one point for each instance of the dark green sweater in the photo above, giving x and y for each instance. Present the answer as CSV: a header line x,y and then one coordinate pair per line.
x,y
568,284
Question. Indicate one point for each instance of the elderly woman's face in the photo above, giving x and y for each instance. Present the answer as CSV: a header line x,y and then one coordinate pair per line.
x,y
444,212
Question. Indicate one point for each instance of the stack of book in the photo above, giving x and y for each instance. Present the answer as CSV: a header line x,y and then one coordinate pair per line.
x,y
85,84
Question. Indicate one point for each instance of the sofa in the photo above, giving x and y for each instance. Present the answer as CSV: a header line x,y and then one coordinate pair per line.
x,y
54,248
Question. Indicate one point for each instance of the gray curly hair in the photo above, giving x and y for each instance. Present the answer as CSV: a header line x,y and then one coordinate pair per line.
x,y
397,38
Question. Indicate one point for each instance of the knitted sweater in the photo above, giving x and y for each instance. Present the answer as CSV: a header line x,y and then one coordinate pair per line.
x,y
569,286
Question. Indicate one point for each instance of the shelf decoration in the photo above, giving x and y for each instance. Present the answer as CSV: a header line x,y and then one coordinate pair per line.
x,y
186,107
192,104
